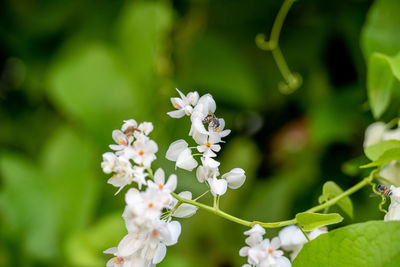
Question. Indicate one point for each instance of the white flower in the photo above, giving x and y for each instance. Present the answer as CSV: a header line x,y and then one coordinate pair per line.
x,y
205,172
392,134
150,243
121,139
254,251
139,176
273,255
178,151
217,186
116,261
184,210
391,171
205,105
220,129
209,162
208,145
293,239
175,149
144,205
183,104
144,152
186,161
146,127
374,133
129,124
123,174
109,162
235,178
159,182
394,207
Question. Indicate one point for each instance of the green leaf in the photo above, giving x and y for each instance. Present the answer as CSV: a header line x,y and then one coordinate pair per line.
x,y
88,84
381,30
374,243
67,162
380,82
26,206
217,65
142,31
309,220
331,190
82,247
375,151
387,156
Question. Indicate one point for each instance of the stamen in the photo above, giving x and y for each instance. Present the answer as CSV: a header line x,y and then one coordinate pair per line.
x,y
141,152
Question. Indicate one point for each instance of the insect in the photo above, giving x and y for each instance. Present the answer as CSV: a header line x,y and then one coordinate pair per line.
x,y
384,190
212,121
130,130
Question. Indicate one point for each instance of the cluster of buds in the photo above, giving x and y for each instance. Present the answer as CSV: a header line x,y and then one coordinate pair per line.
x,y
265,253
201,111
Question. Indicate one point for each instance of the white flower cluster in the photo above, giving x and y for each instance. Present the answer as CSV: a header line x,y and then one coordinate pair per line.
x,y
377,132
201,111
148,231
264,253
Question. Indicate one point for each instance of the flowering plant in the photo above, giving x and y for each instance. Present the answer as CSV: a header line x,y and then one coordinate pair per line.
x,y
152,205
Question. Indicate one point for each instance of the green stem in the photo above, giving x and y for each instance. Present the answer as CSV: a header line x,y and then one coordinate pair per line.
x,y
282,65
202,195
304,233
292,80
280,18
150,172
346,193
215,209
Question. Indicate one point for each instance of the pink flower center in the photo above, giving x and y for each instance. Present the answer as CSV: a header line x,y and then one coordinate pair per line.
x,y
118,260
176,105
122,142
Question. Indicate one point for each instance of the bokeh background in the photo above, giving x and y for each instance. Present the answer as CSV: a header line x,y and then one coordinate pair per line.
x,y
72,71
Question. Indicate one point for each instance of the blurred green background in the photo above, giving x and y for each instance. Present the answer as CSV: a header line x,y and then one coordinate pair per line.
x,y
71,71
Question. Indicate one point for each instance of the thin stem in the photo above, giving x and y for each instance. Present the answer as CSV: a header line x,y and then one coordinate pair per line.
x,y
227,216
292,80
150,172
280,18
202,195
346,193
304,233
282,65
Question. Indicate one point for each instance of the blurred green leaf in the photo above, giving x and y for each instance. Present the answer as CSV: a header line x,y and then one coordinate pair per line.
x,y
219,67
309,220
27,207
352,167
89,85
331,190
380,83
375,151
388,155
44,203
142,31
372,243
85,247
68,161
381,30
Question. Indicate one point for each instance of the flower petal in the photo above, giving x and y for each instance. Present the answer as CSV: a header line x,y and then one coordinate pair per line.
x,y
218,186
186,161
175,149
